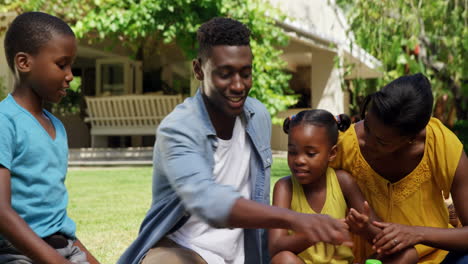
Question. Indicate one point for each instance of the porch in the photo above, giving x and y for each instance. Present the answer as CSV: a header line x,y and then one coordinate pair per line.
x,y
132,156
129,115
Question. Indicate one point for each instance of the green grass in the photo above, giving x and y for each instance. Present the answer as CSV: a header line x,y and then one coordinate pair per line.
x,y
108,205
278,170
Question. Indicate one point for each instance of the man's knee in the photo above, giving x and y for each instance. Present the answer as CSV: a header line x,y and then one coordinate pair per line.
x,y
166,251
286,257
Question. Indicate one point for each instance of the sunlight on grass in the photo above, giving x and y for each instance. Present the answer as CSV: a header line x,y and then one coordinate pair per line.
x,y
108,205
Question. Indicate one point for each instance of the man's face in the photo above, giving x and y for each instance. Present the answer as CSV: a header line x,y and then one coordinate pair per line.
x,y
226,76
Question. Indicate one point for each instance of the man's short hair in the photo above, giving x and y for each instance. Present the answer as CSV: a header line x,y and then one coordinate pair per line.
x,y
30,31
221,31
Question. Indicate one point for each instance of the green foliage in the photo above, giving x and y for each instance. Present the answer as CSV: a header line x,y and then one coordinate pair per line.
x,y
2,89
411,36
8,5
461,129
132,22
70,104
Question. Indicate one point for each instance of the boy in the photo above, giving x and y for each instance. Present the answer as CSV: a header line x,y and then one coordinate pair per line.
x,y
34,226
212,162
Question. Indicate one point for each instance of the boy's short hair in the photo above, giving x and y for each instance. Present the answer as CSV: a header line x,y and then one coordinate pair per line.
x,y
221,31
30,31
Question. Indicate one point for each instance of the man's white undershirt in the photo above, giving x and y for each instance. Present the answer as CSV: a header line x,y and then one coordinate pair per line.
x,y
232,167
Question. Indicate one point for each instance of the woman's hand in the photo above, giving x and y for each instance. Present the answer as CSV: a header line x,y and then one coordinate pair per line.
x,y
358,222
394,237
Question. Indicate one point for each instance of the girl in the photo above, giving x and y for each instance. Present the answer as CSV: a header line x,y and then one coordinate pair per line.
x,y
317,189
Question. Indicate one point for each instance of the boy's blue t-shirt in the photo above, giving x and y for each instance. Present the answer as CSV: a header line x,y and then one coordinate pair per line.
x,y
38,165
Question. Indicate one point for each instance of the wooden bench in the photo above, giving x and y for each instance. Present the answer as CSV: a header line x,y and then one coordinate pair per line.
x,y
127,115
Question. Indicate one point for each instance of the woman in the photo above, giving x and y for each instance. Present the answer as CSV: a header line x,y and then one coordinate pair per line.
x,y
405,163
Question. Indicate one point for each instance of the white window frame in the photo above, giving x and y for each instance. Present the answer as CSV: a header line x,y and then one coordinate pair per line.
x,y
132,74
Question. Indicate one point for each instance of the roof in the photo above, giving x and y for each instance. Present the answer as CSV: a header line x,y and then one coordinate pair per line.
x,y
321,24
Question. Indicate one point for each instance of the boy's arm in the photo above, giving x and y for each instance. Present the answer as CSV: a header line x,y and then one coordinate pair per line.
x,y
17,231
279,239
357,205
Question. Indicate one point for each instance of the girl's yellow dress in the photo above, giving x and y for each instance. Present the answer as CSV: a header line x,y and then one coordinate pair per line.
x,y
418,198
335,206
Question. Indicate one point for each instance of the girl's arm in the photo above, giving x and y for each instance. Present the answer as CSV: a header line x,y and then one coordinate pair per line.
x,y
17,231
360,215
279,239
452,239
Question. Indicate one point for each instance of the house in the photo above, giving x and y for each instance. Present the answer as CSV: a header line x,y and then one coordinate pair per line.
x,y
318,40
319,48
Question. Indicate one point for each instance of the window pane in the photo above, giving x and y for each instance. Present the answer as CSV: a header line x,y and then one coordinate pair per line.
x,y
113,79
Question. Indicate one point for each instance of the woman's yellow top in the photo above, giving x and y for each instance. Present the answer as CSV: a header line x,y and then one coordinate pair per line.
x,y
335,206
418,198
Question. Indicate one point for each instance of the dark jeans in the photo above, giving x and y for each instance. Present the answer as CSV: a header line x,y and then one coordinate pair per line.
x,y
456,258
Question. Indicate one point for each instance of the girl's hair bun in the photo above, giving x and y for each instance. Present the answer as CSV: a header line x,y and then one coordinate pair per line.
x,y
343,121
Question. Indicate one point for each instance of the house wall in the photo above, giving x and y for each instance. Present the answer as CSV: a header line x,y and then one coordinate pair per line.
x,y
164,66
328,26
77,131
279,140
325,84
322,17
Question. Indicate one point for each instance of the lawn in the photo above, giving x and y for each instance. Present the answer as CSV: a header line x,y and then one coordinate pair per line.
x,y
108,205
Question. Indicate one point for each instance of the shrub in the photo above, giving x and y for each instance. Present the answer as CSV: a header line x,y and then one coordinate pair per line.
x,y
461,129
2,89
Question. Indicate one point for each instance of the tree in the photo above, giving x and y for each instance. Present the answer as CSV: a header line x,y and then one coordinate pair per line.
x,y
410,36
2,89
133,22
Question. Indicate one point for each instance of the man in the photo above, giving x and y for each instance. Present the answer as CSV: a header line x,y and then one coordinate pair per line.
x,y
212,162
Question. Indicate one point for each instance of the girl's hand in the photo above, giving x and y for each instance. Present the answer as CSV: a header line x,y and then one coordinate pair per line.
x,y
394,237
358,222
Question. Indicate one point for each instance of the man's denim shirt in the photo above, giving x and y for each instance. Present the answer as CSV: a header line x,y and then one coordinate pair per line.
x,y
183,181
